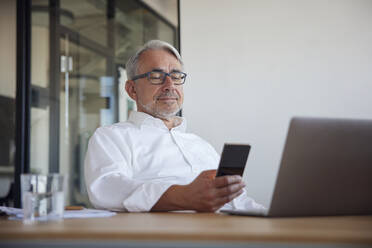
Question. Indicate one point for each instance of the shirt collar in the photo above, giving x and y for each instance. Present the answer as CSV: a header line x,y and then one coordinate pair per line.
x,y
140,119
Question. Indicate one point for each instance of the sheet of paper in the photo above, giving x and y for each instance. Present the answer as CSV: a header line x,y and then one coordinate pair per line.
x,y
17,213
87,213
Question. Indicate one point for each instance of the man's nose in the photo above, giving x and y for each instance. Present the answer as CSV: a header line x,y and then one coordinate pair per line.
x,y
168,83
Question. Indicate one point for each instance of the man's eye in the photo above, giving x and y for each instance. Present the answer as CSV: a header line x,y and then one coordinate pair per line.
x,y
156,75
177,76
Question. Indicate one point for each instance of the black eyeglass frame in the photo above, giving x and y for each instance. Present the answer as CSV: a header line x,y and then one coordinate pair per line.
x,y
147,74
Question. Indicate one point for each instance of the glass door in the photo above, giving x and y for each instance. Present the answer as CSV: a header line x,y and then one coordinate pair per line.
x,y
79,51
87,101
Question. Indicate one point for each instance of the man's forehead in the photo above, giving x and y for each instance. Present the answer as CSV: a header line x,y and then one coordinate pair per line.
x,y
158,59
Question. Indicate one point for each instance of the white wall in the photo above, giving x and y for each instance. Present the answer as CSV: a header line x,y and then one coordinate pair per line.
x,y
253,64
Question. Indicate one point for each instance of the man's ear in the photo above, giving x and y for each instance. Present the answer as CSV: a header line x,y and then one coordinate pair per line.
x,y
129,87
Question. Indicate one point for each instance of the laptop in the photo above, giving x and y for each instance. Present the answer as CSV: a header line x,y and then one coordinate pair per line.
x,y
326,169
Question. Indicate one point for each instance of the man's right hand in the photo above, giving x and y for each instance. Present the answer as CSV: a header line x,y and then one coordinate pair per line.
x,y
208,193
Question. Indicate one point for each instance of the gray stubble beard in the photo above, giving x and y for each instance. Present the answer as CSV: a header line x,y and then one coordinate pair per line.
x,y
151,109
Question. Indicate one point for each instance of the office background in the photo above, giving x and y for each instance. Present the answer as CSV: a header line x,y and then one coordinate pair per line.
x,y
252,65
62,76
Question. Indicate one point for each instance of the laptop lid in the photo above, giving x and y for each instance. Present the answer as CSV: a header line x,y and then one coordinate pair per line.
x,y
326,169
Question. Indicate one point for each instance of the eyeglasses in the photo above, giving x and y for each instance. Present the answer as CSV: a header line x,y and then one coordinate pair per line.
x,y
158,77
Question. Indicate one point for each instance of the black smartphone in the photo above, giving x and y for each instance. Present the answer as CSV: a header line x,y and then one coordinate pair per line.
x,y
233,159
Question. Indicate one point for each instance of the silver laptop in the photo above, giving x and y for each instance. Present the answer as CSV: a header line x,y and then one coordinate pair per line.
x,y
326,169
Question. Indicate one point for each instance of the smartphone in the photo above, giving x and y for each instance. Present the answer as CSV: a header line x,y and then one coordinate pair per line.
x,y
233,159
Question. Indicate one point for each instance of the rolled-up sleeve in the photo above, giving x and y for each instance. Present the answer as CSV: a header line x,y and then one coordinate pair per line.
x,y
244,202
109,176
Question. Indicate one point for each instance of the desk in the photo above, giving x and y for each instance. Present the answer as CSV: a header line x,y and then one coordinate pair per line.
x,y
200,229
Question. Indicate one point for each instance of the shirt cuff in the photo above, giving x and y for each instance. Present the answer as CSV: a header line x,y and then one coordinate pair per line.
x,y
145,196
243,202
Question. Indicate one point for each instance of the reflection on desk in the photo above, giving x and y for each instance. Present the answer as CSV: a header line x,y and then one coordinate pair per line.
x,y
184,229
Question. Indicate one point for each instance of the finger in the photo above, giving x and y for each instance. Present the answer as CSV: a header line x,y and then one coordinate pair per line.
x,y
208,173
226,199
220,182
230,189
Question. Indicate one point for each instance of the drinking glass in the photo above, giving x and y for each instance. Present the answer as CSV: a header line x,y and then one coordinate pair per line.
x,y
42,197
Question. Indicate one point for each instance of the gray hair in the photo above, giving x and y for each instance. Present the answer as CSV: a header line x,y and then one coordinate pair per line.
x,y
132,64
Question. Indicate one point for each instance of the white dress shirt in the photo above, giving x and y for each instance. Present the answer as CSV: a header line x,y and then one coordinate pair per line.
x,y
129,165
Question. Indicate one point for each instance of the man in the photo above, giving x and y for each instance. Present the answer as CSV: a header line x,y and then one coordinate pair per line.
x,y
150,162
